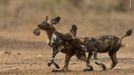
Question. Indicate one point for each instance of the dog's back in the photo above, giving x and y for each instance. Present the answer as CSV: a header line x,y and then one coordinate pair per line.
x,y
105,43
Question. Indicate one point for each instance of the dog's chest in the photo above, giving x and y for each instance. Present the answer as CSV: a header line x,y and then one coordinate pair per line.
x,y
52,39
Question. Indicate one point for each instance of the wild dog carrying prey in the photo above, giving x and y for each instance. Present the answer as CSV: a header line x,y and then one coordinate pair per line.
x,y
102,44
61,42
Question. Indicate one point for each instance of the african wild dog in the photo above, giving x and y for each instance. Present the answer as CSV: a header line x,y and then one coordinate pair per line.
x,y
102,44
59,42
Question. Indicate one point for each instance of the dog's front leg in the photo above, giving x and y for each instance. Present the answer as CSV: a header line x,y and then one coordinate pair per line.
x,y
51,61
97,62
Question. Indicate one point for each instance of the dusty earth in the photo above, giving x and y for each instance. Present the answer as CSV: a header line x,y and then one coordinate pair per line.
x,y
22,56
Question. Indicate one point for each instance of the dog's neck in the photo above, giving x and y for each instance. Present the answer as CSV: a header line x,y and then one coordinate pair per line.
x,y
50,33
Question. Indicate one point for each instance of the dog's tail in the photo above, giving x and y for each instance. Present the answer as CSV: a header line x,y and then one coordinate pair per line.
x,y
128,33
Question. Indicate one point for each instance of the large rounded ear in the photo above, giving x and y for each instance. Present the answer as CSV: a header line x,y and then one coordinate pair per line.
x,y
55,20
73,30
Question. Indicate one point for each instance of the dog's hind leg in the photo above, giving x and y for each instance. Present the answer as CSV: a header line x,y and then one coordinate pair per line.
x,y
65,68
114,59
113,56
67,59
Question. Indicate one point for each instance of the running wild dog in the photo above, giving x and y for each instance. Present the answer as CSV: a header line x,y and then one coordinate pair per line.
x,y
102,44
59,42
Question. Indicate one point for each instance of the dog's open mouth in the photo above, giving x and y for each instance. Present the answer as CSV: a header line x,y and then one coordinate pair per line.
x,y
36,31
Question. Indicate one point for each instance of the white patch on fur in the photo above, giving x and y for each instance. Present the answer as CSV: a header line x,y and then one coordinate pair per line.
x,y
53,38
84,48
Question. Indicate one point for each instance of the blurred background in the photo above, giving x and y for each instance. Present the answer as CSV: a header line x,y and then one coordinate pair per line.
x,y
93,17
18,18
